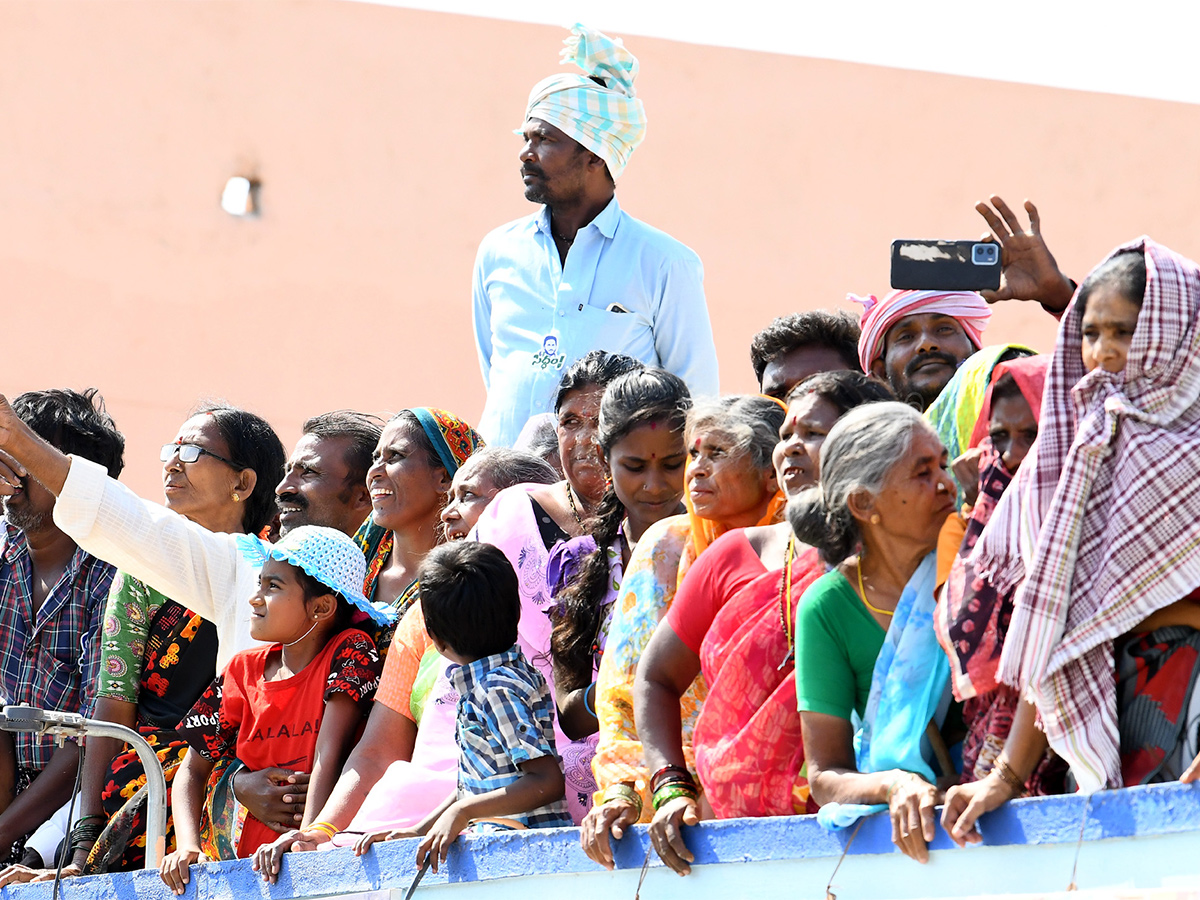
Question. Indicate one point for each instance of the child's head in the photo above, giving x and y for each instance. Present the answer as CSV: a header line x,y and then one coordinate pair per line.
x,y
289,602
1012,426
470,600
312,577
1108,304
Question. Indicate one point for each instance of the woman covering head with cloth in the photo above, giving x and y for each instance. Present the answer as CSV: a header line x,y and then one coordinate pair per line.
x,y
971,619
731,483
732,620
1097,539
865,647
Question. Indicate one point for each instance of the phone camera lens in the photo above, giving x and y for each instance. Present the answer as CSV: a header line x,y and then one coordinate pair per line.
x,y
985,254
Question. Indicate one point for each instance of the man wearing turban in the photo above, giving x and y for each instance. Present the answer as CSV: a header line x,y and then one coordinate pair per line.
x,y
581,274
916,340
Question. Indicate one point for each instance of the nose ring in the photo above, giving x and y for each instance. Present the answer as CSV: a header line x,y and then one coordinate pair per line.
x,y
941,487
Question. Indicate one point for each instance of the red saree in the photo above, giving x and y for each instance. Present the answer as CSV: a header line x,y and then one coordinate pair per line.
x,y
747,741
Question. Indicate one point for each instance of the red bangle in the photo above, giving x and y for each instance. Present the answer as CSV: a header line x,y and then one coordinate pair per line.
x,y
662,776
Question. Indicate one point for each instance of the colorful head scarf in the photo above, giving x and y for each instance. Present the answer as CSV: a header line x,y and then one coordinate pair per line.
x,y
1102,524
1029,372
452,438
878,316
958,408
605,118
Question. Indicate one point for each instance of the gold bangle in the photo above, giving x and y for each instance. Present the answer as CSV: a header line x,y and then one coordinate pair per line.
x,y
1007,775
324,828
623,793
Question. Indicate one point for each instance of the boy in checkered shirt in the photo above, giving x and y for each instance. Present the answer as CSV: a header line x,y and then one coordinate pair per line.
x,y
509,775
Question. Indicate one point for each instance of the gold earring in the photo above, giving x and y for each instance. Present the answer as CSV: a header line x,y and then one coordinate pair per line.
x,y
875,520
236,498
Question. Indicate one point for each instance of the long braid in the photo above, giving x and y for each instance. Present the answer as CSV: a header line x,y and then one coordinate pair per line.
x,y
573,641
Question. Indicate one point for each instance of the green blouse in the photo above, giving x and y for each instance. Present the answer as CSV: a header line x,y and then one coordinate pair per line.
x,y
127,616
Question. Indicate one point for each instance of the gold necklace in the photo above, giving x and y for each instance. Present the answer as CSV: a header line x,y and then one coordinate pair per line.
x,y
785,594
863,591
574,509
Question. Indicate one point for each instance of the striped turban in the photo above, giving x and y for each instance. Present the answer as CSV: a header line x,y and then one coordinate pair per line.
x,y
878,316
605,118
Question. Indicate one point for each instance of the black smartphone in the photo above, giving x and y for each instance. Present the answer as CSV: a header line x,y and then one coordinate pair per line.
x,y
945,265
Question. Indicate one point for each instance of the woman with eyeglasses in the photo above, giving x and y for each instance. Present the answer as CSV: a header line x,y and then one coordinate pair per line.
x,y
159,652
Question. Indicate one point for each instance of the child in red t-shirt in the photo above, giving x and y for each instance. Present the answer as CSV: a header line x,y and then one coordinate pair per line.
x,y
298,702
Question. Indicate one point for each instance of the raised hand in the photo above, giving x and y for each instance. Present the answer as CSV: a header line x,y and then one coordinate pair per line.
x,y
1028,269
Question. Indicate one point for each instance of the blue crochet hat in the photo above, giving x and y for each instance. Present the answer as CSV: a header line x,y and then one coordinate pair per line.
x,y
333,559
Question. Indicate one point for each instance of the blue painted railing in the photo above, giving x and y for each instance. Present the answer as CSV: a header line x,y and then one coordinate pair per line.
x,y
1134,813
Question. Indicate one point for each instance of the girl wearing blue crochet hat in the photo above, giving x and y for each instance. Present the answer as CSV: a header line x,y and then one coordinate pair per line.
x,y
296,702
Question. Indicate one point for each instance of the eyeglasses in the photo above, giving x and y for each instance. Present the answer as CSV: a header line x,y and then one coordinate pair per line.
x,y
189,453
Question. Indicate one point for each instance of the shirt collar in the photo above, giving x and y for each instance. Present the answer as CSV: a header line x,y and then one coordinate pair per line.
x,y
605,221
464,678
12,542
14,545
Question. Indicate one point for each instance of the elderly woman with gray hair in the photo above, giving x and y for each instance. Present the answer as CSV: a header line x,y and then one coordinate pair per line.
x,y
871,683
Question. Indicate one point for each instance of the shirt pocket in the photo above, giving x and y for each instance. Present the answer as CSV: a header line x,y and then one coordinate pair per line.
x,y
628,333
55,682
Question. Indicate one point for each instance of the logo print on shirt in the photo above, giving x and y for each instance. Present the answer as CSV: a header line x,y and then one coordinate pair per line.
x,y
549,357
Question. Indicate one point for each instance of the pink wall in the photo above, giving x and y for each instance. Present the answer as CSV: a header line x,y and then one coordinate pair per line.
x,y
382,139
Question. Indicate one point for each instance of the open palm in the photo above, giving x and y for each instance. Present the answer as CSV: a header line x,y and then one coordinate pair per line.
x,y
1028,268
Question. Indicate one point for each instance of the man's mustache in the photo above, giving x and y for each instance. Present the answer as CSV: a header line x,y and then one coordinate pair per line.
x,y
931,356
292,500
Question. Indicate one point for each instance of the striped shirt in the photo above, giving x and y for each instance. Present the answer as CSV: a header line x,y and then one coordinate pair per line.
x,y
505,717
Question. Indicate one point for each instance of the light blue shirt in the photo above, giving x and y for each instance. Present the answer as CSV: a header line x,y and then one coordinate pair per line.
x,y
534,316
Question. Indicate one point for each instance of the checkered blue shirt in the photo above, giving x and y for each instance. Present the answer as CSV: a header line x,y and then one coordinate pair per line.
x,y
49,659
505,717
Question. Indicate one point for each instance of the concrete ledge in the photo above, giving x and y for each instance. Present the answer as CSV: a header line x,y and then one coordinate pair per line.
x,y
1130,813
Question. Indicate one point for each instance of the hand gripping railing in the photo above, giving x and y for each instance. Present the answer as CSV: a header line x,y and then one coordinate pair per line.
x,y
61,725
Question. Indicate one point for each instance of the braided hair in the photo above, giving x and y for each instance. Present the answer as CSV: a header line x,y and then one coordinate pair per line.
x,y
634,399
